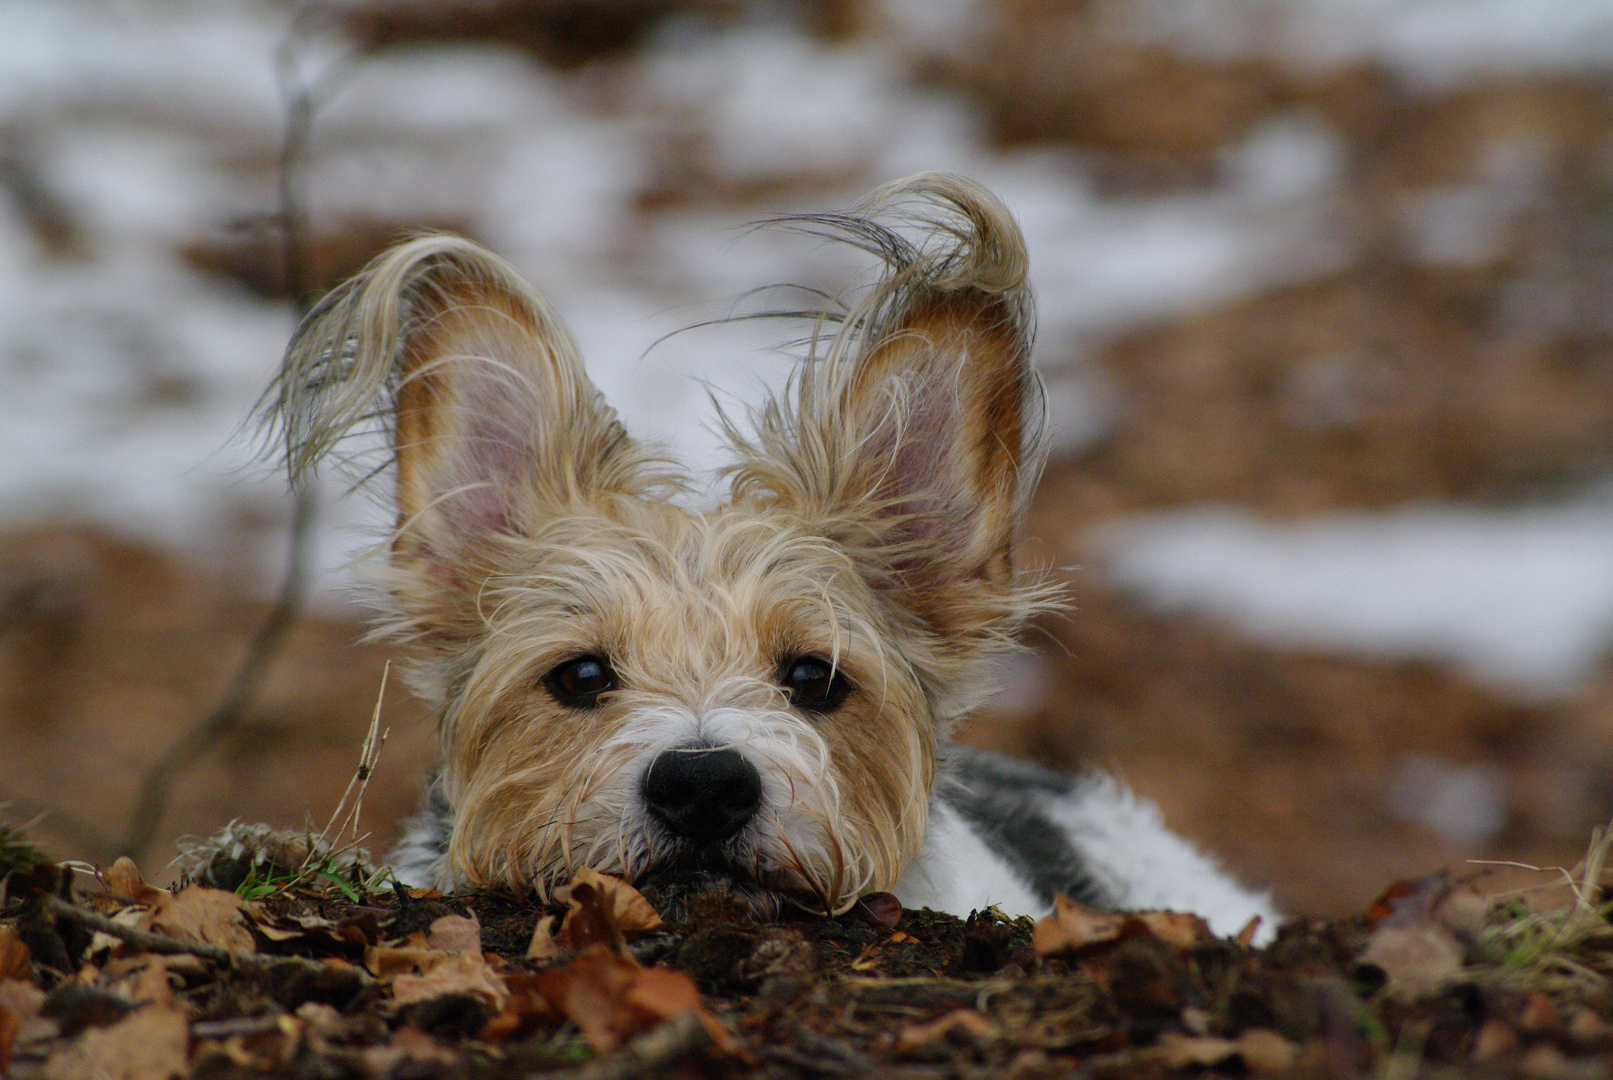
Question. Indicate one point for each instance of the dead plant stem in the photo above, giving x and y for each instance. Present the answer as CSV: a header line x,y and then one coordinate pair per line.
x,y
300,98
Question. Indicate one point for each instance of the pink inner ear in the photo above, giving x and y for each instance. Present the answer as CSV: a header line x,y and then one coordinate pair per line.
x,y
925,484
479,476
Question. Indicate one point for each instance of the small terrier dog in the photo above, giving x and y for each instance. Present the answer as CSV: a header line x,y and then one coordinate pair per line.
x,y
755,698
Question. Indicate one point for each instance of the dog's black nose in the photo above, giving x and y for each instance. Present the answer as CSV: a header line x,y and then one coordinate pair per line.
x,y
703,795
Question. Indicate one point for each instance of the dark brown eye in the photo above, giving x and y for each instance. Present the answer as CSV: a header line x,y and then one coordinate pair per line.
x,y
815,685
578,682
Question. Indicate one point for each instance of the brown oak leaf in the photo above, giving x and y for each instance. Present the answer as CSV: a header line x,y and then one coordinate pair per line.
x,y
601,910
198,913
16,961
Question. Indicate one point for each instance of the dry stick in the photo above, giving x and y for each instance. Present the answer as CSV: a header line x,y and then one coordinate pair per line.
x,y
682,1035
140,939
155,787
171,946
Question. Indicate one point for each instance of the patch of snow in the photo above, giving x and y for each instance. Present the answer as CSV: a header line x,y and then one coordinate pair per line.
x,y
1287,158
1521,597
1438,44
124,374
1466,804
1460,227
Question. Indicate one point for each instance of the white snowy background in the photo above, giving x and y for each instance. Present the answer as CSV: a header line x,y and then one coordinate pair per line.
x,y
125,374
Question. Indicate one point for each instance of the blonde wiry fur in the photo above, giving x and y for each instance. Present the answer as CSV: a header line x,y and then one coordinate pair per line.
x,y
871,529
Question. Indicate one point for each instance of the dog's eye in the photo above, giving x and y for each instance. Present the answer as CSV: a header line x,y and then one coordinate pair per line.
x,y
814,684
578,682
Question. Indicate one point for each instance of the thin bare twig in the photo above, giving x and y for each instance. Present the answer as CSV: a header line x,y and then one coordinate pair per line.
x,y
140,939
148,941
156,785
301,97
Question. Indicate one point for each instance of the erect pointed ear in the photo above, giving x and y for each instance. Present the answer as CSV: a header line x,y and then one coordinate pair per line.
x,y
495,427
915,438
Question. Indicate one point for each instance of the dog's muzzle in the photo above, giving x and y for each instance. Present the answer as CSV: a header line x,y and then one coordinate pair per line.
x,y
702,795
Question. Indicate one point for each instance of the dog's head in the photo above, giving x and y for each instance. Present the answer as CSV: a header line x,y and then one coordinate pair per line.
x,y
748,697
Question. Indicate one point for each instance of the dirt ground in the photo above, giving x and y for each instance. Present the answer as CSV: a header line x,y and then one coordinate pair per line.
x,y
128,980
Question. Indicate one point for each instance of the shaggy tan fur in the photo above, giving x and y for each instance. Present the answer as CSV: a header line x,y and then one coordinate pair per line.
x,y
873,520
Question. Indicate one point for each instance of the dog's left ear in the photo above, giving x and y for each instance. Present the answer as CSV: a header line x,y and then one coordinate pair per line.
x,y
915,438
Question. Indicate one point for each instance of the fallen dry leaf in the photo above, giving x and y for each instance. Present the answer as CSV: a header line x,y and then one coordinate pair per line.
x,y
601,910
16,961
456,934
590,991
1539,1015
544,944
871,953
1589,1030
658,994
260,1051
1246,936
624,905
1175,927
149,1044
385,961
22,1000
966,1020
1544,1061
1265,1051
611,998
148,983
20,1003
1418,958
1495,1039
10,1028
198,913
526,1009
124,880
1261,1051
1178,1051
408,1044
1074,926
462,973
359,931
103,945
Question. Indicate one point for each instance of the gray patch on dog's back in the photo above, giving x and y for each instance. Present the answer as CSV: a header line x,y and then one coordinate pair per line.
x,y
1004,801
416,859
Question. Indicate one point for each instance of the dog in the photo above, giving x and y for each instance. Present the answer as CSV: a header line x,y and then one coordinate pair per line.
x,y
757,697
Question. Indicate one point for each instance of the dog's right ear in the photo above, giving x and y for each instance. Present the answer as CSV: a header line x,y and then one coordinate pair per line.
x,y
495,427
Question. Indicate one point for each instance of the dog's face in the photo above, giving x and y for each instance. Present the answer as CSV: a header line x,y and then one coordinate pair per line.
x,y
748,697
662,694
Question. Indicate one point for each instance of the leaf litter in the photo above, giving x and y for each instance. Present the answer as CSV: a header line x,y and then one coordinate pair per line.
x,y
1436,977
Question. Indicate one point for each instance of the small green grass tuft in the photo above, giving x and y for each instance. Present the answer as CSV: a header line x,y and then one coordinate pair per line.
x,y
1569,947
16,852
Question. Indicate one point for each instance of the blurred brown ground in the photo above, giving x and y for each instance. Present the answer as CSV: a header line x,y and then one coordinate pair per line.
x,y
1398,377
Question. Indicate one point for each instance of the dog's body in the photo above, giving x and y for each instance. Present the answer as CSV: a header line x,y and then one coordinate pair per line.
x,y
1006,834
756,697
